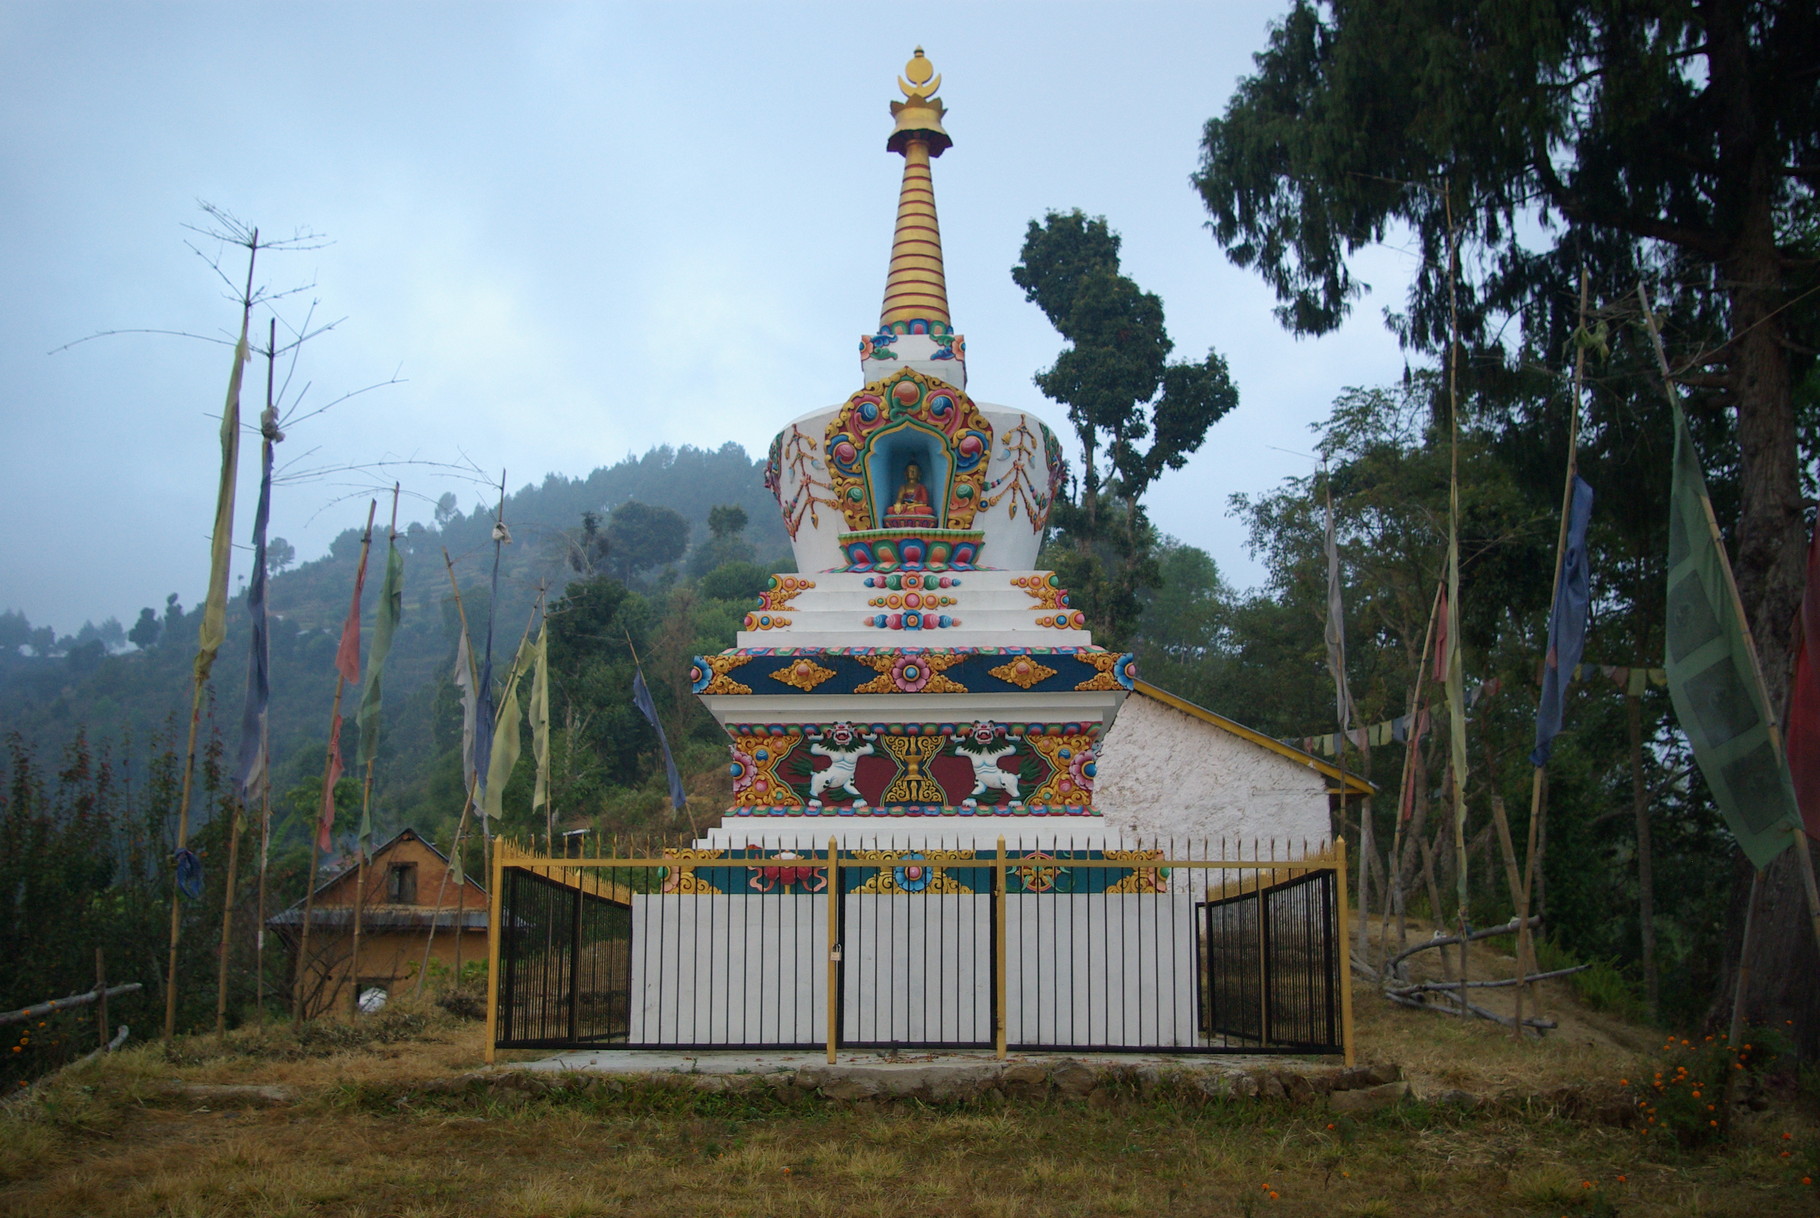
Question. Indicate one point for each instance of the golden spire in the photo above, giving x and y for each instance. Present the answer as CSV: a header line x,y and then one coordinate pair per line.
x,y
915,288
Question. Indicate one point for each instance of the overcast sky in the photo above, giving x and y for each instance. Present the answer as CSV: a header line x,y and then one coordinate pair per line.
x,y
575,232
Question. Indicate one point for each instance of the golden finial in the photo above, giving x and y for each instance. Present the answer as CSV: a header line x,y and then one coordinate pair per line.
x,y
920,114
916,287
923,82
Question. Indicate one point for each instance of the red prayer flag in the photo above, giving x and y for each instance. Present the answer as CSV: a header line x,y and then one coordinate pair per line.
x,y
347,656
1803,743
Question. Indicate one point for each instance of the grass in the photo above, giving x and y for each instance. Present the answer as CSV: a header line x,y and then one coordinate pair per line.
x,y
380,1132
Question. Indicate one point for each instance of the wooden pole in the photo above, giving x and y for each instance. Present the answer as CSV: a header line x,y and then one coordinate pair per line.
x,y
328,792
227,920
1537,789
1346,1032
1743,975
265,749
1395,875
366,810
497,875
189,752
265,847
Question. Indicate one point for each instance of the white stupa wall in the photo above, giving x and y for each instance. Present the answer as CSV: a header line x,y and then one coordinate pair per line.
x,y
1104,969
1165,774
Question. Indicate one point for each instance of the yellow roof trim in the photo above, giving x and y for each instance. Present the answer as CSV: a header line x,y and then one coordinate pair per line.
x,y
1354,783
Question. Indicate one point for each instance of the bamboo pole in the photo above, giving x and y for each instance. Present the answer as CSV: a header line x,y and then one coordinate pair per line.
x,y
1455,678
227,920
328,792
265,735
473,793
1346,1031
1537,779
189,752
1394,884
366,808
497,875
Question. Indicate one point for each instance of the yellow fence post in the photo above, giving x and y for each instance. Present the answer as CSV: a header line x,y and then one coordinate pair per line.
x,y
1339,871
998,955
493,929
834,944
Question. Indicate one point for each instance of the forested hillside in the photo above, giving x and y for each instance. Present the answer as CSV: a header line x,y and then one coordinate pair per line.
x,y
51,691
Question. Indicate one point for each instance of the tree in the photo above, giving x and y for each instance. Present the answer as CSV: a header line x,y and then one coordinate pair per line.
x,y
587,549
146,630
173,616
726,541
726,520
448,509
15,631
1119,387
641,536
1116,364
1681,140
279,554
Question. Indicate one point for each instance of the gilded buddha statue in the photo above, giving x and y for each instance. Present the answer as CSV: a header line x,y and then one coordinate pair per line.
x,y
911,507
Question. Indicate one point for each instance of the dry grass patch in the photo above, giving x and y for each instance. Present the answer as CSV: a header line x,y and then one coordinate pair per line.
x,y
372,1139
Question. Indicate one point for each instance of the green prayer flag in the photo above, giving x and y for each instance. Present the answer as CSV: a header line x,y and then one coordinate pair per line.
x,y
1713,676
506,743
214,610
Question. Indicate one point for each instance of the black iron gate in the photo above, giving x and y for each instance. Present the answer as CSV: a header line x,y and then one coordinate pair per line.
x,y
565,960
1270,964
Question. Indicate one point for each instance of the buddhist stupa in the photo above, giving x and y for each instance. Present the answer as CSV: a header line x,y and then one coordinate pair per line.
x,y
916,674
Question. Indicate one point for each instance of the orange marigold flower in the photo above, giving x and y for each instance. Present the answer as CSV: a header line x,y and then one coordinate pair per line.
x,y
1624,1179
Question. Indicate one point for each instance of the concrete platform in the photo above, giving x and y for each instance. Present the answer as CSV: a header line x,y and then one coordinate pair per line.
x,y
949,1076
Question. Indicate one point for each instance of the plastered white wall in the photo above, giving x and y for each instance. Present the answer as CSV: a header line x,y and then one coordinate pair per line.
x,y
1164,773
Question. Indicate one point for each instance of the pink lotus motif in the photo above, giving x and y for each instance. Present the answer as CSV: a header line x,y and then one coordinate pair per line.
x,y
1082,770
910,674
743,769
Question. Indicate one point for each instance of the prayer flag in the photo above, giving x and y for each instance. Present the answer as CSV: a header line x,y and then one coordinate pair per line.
x,y
214,610
1802,744
1713,676
1566,624
347,654
506,741
251,772
540,716
641,698
464,681
391,608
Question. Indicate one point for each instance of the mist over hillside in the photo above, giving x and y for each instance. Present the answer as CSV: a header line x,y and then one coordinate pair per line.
x,y
118,693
